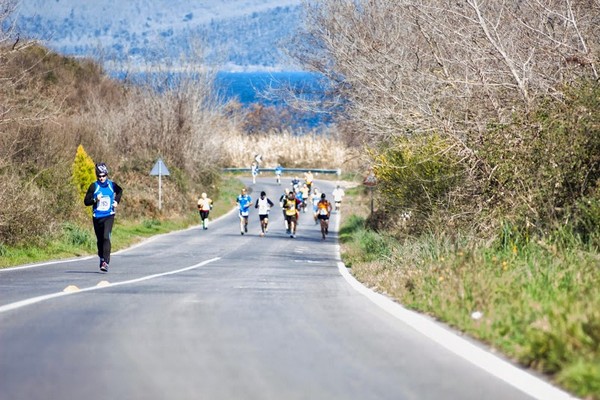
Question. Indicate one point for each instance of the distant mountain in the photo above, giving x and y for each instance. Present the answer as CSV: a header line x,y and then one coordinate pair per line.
x,y
235,34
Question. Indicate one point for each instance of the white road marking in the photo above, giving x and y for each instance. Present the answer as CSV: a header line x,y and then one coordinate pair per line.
x,y
520,379
66,260
142,243
514,376
100,286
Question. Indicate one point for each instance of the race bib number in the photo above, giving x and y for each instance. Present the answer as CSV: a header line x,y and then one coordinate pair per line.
x,y
244,213
104,204
323,211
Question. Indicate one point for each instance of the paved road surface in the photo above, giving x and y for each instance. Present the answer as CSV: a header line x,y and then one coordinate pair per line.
x,y
217,315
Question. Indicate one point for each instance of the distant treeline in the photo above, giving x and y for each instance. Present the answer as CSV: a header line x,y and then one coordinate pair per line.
x,y
250,40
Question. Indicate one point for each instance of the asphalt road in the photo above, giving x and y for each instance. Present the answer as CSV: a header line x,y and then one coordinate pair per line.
x,y
216,315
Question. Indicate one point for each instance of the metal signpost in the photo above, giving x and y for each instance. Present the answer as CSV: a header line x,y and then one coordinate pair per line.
x,y
159,169
370,181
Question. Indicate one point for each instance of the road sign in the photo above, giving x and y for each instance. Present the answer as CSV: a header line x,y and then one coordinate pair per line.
x,y
159,169
370,180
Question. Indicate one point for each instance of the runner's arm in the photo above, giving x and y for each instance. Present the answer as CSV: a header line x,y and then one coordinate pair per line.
x,y
118,192
89,198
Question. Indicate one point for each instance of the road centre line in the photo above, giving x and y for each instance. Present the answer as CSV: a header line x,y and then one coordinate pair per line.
x,y
38,299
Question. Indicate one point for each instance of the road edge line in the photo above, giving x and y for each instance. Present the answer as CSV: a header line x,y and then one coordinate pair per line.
x,y
133,246
509,373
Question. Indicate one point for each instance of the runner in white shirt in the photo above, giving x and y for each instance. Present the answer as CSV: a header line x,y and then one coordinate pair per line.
x,y
338,195
264,204
315,198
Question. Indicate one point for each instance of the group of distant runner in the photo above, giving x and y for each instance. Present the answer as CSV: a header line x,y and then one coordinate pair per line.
x,y
104,195
296,199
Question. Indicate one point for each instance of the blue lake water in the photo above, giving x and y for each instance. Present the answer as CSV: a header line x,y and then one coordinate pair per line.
x,y
247,87
253,87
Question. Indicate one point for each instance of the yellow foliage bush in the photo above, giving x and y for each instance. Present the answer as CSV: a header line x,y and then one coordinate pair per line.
x,y
83,174
415,174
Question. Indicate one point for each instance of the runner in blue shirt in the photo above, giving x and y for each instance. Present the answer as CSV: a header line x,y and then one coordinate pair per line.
x,y
254,169
244,202
104,196
278,172
295,184
300,199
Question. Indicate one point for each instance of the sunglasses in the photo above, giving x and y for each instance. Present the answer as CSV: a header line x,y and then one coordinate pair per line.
x,y
102,176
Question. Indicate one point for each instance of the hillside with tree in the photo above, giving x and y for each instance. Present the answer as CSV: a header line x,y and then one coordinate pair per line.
x,y
234,34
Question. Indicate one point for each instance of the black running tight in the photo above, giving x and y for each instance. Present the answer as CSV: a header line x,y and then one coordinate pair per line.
x,y
103,229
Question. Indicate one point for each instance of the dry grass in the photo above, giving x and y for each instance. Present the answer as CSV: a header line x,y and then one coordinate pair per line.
x,y
287,149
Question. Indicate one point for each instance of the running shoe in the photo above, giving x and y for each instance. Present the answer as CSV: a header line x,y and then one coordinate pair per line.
x,y
104,266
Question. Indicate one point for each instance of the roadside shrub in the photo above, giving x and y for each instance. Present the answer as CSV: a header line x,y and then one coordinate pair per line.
x,y
150,223
23,215
582,378
374,245
415,174
352,225
539,171
77,236
586,220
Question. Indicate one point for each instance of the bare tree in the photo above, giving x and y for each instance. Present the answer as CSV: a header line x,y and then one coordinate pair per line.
x,y
456,69
438,64
170,111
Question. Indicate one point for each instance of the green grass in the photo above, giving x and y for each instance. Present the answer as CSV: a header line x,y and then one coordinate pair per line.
x,y
76,241
540,301
224,200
